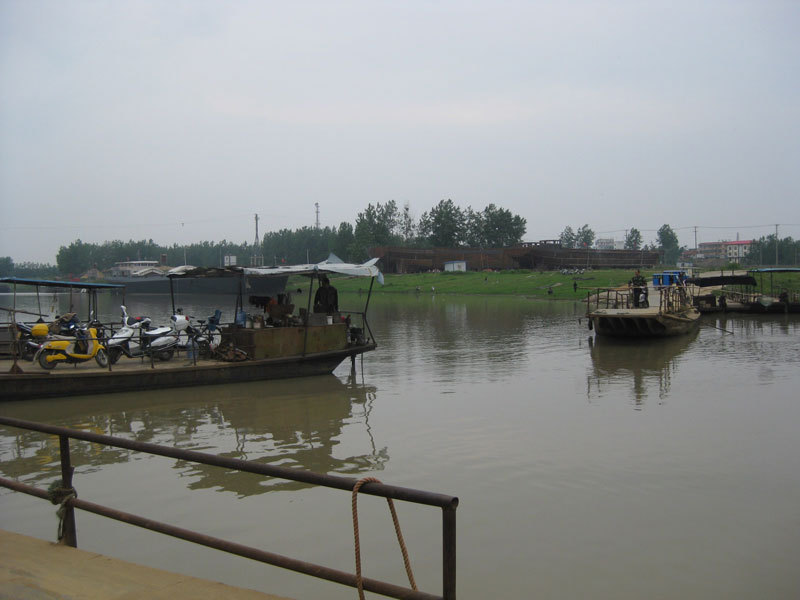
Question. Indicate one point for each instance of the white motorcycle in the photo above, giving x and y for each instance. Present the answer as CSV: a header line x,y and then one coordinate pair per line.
x,y
136,339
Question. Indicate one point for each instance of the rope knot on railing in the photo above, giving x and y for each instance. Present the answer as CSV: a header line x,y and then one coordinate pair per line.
x,y
406,561
58,494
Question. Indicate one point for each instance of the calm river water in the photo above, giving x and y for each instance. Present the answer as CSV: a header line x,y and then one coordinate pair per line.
x,y
585,469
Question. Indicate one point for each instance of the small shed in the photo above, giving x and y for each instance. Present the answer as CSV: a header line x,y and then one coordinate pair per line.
x,y
455,265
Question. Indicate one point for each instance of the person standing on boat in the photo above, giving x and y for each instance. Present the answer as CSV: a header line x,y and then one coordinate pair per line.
x,y
637,283
326,299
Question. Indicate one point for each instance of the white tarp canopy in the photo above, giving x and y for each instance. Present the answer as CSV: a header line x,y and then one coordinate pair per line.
x,y
331,265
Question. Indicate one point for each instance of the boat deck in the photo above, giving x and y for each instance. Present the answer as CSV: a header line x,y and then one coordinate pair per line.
x,y
136,375
38,570
124,365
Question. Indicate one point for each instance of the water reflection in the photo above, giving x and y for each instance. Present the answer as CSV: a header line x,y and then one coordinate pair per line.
x,y
644,365
299,423
482,337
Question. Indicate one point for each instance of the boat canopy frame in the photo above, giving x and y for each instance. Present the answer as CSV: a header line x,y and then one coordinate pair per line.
x,y
333,265
92,288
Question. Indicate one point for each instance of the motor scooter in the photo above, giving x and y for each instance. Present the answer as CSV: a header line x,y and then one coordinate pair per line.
x,y
136,339
30,336
85,346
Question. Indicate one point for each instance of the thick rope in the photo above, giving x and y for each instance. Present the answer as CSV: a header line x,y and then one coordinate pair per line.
x,y
60,495
406,561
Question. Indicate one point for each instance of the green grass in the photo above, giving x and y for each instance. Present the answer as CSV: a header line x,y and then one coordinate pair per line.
x,y
504,283
513,283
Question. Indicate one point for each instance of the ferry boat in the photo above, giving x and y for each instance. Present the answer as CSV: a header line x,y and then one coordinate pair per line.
x,y
668,310
280,344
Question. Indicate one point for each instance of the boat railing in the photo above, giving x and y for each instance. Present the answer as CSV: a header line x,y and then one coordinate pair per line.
x,y
673,298
609,298
63,493
670,298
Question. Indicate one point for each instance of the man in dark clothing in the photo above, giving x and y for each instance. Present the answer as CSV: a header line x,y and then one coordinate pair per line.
x,y
326,299
637,283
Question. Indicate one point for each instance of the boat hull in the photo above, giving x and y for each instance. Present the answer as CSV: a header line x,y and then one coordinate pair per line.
x,y
643,322
69,382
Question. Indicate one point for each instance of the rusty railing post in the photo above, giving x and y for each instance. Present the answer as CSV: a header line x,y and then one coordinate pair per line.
x,y
70,536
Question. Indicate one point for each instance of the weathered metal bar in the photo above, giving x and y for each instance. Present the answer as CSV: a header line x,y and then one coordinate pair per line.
x,y
278,560
369,295
332,481
68,529
172,294
449,553
308,314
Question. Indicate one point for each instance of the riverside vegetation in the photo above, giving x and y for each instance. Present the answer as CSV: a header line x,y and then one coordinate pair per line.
x,y
551,285
518,282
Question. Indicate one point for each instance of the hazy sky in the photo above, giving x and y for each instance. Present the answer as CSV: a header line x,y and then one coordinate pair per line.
x,y
179,120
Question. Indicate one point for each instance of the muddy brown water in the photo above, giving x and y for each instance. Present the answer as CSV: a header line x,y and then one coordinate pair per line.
x,y
585,468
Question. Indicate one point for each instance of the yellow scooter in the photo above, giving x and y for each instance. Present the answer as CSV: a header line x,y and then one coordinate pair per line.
x,y
84,347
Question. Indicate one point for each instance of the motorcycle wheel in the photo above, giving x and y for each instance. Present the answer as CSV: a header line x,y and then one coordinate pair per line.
x,y
113,355
165,355
27,353
44,363
102,358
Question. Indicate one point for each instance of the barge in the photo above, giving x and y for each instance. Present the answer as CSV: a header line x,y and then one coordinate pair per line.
x,y
614,313
278,345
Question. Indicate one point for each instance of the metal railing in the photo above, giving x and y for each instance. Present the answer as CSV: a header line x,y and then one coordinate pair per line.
x,y
69,502
670,299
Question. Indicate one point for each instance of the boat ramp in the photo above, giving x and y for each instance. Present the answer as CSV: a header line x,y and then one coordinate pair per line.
x,y
38,570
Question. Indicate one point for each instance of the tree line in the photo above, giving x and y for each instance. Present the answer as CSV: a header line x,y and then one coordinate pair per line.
x,y
666,241
445,225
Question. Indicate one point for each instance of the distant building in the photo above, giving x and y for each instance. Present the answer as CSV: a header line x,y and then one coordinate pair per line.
x,y
604,243
455,265
711,250
609,244
738,249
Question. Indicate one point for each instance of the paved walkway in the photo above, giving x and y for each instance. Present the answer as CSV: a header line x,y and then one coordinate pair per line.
x,y
33,569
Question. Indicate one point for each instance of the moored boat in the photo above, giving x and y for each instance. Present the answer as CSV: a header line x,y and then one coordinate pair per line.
x,y
614,313
278,344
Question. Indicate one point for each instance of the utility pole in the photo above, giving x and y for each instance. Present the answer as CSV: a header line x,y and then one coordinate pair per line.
x,y
257,259
695,237
776,244
316,204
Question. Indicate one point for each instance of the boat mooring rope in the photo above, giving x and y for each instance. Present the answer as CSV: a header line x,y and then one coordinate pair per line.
x,y
58,494
406,561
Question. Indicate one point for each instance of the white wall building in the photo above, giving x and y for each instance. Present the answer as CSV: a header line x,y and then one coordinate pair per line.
x,y
455,265
738,249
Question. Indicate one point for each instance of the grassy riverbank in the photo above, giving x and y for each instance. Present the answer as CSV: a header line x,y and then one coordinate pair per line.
x,y
547,284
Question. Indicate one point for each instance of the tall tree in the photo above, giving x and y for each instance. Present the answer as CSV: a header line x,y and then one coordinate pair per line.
x,y
633,241
408,228
6,266
567,237
668,243
376,226
443,225
474,234
584,237
345,237
501,228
